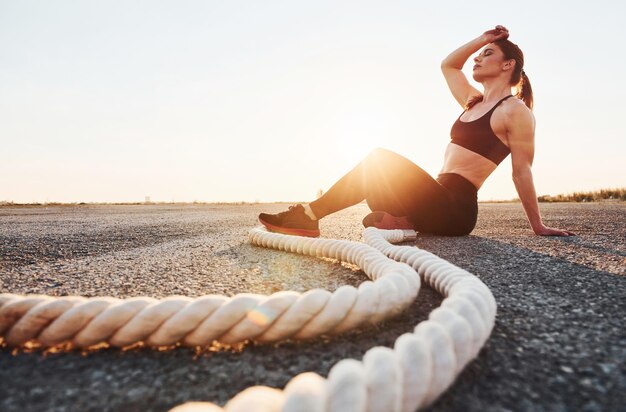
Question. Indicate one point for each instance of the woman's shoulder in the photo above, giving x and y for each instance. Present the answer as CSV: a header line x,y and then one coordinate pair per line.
x,y
516,108
516,115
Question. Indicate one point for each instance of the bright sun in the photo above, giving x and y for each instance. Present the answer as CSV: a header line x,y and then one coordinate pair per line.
x,y
359,132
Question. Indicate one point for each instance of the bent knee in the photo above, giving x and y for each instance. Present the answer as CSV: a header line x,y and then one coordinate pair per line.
x,y
381,153
392,162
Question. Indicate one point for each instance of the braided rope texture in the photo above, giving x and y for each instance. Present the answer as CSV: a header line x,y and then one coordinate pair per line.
x,y
48,321
421,366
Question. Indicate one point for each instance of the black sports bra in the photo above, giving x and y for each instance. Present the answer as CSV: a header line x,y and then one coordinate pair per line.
x,y
478,137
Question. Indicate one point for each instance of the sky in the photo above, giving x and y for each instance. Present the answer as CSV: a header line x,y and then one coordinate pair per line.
x,y
260,101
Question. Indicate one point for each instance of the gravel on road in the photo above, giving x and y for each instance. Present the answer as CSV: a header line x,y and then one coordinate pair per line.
x,y
558,345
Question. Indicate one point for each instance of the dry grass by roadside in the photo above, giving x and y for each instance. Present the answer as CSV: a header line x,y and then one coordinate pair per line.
x,y
618,194
593,196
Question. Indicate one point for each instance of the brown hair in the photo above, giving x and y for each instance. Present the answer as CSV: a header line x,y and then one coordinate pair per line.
x,y
518,78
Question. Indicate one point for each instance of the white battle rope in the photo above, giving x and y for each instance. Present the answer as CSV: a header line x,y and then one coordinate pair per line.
x,y
421,366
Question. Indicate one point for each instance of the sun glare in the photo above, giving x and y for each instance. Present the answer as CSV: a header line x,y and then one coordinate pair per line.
x,y
360,132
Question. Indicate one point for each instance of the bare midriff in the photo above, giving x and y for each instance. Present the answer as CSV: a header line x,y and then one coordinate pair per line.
x,y
468,164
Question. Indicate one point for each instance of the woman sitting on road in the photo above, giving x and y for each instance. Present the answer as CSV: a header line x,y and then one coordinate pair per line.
x,y
403,196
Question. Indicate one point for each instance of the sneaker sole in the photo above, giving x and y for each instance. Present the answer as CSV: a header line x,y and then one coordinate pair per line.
x,y
290,231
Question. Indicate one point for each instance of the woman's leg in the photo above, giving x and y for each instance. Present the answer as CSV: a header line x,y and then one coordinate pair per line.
x,y
387,181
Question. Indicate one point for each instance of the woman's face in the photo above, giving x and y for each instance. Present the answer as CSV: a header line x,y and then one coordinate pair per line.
x,y
489,63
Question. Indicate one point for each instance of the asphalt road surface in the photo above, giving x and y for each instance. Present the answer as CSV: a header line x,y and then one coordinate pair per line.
x,y
559,343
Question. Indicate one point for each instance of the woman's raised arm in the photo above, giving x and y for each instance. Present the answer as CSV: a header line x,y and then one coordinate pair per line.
x,y
452,65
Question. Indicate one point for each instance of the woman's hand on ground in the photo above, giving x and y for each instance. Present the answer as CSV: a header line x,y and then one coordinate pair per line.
x,y
499,33
548,231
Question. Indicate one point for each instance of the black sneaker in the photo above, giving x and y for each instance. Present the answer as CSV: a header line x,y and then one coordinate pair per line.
x,y
292,222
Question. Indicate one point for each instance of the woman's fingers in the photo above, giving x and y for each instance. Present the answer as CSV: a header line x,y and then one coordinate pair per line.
x,y
559,232
500,32
548,231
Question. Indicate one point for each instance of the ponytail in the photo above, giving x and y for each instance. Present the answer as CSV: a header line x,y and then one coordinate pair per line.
x,y
525,90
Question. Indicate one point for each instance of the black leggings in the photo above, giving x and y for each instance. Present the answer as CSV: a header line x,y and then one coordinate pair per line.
x,y
391,183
